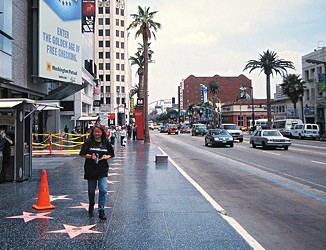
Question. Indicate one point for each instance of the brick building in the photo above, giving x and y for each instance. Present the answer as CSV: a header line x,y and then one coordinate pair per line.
x,y
189,89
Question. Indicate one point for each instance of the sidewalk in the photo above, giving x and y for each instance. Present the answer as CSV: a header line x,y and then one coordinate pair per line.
x,y
149,206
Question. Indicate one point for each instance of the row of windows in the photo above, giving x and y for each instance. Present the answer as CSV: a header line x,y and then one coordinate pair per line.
x,y
118,33
108,78
108,89
107,55
107,66
107,44
107,22
108,100
107,11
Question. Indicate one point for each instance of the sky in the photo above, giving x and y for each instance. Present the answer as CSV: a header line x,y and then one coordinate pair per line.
x,y
209,37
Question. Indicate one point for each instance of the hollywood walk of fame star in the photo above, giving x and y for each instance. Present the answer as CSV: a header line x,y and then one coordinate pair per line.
x,y
111,174
59,197
112,182
85,205
116,168
115,164
74,231
31,216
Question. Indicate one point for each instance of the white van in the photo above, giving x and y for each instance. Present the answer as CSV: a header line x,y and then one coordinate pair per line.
x,y
305,131
286,126
263,123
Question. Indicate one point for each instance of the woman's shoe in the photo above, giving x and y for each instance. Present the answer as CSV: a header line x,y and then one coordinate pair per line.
x,y
91,210
102,215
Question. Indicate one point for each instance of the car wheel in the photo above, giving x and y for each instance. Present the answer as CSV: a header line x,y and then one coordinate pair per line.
x,y
231,145
253,144
240,140
206,144
299,137
212,144
286,147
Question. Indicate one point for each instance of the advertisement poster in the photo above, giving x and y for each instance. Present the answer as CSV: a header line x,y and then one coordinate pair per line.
x,y
60,56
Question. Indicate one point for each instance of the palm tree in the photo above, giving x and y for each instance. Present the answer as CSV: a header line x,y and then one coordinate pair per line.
x,y
293,87
214,89
144,19
135,91
269,62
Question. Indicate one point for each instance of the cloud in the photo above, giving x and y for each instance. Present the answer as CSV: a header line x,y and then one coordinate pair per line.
x,y
194,39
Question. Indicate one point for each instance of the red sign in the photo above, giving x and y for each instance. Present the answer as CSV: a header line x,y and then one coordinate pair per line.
x,y
139,123
111,116
140,101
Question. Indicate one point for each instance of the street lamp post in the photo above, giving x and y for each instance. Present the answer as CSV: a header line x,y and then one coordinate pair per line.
x,y
243,95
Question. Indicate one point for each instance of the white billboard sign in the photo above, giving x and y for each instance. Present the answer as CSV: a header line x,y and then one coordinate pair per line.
x,y
60,56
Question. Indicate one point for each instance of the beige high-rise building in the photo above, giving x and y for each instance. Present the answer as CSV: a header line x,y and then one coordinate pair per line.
x,y
110,50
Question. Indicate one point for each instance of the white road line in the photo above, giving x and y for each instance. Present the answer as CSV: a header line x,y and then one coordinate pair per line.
x,y
324,163
270,153
251,241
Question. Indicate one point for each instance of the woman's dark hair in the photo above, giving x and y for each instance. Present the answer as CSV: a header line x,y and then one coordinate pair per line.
x,y
103,136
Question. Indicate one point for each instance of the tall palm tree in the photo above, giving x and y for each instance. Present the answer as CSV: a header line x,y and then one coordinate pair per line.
x,y
293,87
214,89
269,62
144,19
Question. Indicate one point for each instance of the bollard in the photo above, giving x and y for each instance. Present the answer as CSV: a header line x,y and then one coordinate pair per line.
x,y
61,142
50,144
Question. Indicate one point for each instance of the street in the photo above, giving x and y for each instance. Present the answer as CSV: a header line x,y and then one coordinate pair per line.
x,y
278,196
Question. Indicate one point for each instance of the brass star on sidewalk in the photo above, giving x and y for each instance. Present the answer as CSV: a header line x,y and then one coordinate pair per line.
x,y
59,197
74,231
31,216
85,205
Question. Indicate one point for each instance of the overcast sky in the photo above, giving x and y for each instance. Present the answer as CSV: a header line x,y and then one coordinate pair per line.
x,y
211,37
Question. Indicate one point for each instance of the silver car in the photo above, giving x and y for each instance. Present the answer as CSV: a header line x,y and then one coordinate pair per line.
x,y
269,138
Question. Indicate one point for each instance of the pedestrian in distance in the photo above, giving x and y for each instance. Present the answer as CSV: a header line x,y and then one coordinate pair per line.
x,y
66,129
96,151
5,161
134,132
123,134
113,135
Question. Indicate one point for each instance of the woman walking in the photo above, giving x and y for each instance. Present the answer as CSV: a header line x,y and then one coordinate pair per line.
x,y
97,150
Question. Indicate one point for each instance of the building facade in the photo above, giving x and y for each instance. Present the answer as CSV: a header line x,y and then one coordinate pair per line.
x,y
111,57
314,100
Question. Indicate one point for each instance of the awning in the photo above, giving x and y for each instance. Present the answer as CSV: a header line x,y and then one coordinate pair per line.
x,y
88,118
65,90
9,104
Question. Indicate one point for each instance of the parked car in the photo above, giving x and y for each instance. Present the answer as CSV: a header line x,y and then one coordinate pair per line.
x,y
173,129
233,130
269,138
198,129
215,137
303,131
164,129
185,129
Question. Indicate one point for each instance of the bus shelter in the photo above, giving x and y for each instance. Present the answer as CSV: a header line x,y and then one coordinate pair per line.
x,y
15,115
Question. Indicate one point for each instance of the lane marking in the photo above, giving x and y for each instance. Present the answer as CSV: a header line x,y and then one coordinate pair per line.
x,y
302,150
246,236
266,152
324,163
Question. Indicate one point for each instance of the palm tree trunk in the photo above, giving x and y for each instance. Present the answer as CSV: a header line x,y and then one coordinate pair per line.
x,y
295,110
145,41
141,85
268,93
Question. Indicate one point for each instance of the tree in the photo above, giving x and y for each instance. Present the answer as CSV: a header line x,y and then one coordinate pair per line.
x,y
293,87
269,62
144,20
214,89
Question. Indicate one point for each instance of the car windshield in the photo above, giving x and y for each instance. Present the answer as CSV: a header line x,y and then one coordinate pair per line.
x,y
272,133
219,132
200,127
232,126
173,126
185,127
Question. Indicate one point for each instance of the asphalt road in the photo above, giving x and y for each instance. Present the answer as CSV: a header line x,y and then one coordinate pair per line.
x,y
278,196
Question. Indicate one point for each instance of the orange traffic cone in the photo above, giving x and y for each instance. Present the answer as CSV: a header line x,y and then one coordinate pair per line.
x,y
43,201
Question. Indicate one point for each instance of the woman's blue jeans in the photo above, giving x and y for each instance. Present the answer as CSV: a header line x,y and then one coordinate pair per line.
x,y
102,186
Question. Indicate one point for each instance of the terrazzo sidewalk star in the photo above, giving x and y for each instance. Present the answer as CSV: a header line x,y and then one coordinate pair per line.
x,y
112,182
59,197
116,168
111,174
85,205
74,231
31,216
115,164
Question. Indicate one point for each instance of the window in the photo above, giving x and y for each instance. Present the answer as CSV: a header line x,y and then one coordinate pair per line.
x,y
117,33
122,34
100,66
100,43
100,32
100,55
123,101
107,43
101,77
107,10
118,66
100,21
122,12
122,56
122,45
118,100
101,89
107,32
117,22
117,11
122,89
107,89
100,10
107,78
117,55
117,44
107,21
118,89
107,54
122,23
118,78
107,66
108,100
102,100
122,67
122,79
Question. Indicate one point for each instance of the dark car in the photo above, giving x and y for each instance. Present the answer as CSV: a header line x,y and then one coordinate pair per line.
x,y
218,137
198,129
173,129
185,129
164,129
